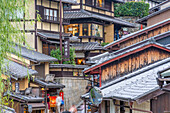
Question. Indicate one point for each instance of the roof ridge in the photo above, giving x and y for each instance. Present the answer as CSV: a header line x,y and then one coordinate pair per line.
x,y
126,36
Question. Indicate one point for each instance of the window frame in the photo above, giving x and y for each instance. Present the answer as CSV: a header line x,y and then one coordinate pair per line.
x,y
51,16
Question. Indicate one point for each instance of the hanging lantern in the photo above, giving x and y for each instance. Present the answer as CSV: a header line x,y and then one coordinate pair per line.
x,y
61,94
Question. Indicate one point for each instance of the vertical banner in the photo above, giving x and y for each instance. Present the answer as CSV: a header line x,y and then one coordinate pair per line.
x,y
66,48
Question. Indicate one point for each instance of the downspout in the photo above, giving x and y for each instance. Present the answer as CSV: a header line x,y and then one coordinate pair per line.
x,y
34,64
100,79
135,109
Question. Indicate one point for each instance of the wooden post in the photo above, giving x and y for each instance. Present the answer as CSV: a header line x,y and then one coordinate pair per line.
x,y
84,106
46,100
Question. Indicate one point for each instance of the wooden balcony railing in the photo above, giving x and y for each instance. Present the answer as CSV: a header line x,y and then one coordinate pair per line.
x,y
55,19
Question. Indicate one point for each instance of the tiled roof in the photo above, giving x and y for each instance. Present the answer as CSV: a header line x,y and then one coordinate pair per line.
x,y
125,50
24,97
17,71
68,66
136,84
5,109
133,34
144,19
56,36
49,84
85,14
33,55
87,46
67,1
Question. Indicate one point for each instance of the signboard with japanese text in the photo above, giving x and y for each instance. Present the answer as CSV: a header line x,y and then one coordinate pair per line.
x,y
66,48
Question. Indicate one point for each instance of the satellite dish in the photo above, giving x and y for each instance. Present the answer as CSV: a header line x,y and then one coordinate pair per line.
x,y
96,96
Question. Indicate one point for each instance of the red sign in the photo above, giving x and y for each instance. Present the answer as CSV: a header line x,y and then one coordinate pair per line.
x,y
52,101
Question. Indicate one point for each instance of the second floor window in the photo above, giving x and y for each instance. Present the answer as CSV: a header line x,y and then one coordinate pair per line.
x,y
100,3
50,14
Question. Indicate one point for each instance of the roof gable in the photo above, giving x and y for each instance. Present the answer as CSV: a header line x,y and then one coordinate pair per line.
x,y
126,52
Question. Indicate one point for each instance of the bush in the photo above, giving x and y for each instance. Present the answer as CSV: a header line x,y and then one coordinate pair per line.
x,y
104,43
57,54
134,9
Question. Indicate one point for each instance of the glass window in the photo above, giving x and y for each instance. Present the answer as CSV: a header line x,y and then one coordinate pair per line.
x,y
85,29
72,28
55,15
100,3
97,30
50,14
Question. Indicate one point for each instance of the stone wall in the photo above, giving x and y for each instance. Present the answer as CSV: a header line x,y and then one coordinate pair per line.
x,y
74,88
132,20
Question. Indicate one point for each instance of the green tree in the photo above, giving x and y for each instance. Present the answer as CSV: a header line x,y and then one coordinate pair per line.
x,y
134,9
11,33
57,54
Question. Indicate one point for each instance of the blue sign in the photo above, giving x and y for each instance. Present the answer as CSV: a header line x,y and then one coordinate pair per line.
x,y
29,108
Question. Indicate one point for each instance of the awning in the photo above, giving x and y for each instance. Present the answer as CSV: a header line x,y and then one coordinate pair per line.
x,y
37,106
87,46
48,84
56,36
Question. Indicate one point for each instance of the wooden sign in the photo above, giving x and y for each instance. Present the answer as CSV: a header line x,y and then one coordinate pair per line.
x,y
66,48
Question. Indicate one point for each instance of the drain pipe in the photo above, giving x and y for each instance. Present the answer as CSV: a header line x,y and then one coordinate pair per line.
x,y
135,109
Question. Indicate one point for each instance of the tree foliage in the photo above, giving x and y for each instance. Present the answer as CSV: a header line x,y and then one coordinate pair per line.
x,y
134,9
11,33
57,54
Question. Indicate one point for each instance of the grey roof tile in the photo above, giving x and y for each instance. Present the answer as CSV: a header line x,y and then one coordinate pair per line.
x,y
136,84
33,55
55,36
87,46
48,84
123,51
85,14
17,71
153,14
68,66
147,28
24,97
5,109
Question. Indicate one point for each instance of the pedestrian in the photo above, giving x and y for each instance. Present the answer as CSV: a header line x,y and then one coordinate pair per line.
x,y
73,108
48,102
58,103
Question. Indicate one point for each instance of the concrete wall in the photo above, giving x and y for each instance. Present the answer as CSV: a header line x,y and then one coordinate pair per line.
x,y
132,20
158,18
74,88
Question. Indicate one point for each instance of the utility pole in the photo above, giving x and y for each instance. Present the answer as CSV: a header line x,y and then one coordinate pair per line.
x,y
61,30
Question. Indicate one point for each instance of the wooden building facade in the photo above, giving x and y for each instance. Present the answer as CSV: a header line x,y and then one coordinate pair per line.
x,y
128,74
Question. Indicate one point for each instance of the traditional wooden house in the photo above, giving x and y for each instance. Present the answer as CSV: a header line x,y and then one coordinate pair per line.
x,y
125,41
157,14
38,83
129,76
21,96
44,35
93,21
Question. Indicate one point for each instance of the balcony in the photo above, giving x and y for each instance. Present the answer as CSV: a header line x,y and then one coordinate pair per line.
x,y
55,20
103,6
